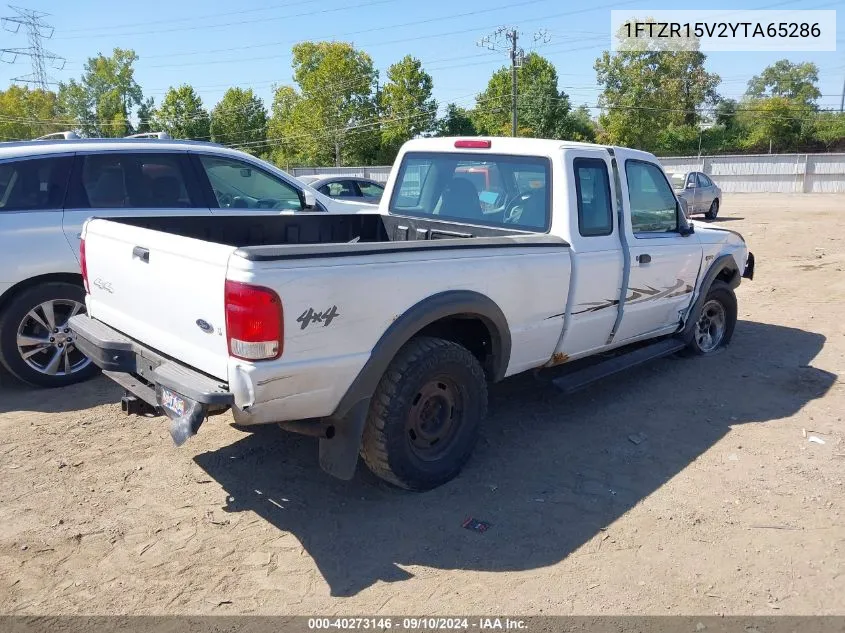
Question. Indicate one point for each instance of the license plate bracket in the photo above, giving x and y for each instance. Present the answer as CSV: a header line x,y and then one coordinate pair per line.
x,y
186,415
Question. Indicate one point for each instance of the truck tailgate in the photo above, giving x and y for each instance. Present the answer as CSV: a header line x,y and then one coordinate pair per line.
x,y
164,290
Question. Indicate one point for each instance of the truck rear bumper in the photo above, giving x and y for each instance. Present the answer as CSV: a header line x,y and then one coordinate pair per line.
x,y
132,364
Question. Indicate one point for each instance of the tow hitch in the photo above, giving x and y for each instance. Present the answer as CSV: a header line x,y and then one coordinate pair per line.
x,y
132,405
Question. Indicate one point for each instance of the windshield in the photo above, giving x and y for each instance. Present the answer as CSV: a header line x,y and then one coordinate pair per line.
x,y
511,191
677,180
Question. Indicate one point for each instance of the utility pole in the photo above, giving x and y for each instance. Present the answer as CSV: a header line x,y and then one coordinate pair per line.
x,y
36,31
494,41
842,102
513,36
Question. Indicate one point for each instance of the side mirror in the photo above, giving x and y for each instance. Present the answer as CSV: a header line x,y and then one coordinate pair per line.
x,y
309,200
690,185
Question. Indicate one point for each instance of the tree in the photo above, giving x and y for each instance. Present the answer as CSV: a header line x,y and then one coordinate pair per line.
x,y
240,119
27,114
541,108
336,87
796,82
182,115
456,122
286,127
726,112
580,126
776,122
829,128
650,89
145,115
406,106
102,100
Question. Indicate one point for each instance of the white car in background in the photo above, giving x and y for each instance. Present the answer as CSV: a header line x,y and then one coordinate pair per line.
x,y
48,188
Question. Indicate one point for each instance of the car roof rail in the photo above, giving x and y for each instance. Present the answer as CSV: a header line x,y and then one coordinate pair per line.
x,y
62,135
163,136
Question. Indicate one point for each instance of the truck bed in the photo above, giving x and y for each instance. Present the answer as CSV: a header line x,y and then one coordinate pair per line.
x,y
270,237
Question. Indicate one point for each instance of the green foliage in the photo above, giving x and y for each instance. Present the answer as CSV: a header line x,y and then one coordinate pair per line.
x,y
796,82
457,121
336,99
541,109
777,122
646,91
28,113
405,103
240,119
145,115
829,128
102,101
288,129
182,115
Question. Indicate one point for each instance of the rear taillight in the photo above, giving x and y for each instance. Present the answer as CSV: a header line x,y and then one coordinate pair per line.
x,y
254,321
84,265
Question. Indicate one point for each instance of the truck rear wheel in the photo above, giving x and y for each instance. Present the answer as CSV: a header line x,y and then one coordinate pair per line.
x,y
425,414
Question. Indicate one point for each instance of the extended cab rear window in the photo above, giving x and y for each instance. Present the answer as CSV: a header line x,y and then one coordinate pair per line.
x,y
488,189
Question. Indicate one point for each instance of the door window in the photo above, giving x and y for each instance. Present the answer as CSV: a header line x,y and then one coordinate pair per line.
x,y
704,181
592,188
240,185
29,185
140,180
371,189
341,189
691,180
654,208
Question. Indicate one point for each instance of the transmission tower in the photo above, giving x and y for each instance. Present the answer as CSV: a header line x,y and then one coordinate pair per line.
x,y
36,30
506,39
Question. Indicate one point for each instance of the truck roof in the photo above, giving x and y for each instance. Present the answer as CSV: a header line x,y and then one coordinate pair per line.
x,y
505,145
18,149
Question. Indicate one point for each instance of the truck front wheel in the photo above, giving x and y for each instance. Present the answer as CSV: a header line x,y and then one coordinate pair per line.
x,y
425,414
716,321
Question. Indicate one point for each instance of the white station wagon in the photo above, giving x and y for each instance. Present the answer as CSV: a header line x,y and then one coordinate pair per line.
x,y
48,188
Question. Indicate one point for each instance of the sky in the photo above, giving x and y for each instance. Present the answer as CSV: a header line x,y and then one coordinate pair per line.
x,y
214,45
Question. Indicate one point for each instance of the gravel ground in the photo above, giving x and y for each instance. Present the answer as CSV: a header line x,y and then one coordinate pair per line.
x,y
725,506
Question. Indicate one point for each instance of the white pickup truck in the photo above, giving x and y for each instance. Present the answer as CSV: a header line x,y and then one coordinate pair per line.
x,y
379,332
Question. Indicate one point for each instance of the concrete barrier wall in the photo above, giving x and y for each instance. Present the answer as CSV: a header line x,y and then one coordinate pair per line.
x,y
768,173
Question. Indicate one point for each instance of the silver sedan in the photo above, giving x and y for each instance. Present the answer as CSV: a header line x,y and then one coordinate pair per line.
x,y
698,192
346,187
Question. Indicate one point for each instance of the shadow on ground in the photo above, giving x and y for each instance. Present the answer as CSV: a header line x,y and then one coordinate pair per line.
x,y
18,396
548,473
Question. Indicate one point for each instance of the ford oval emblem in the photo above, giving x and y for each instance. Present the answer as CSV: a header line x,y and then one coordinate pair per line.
x,y
205,326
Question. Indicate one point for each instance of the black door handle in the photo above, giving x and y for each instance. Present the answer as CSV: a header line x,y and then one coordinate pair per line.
x,y
141,253
645,258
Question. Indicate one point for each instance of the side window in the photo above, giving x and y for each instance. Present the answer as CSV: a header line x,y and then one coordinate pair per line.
x,y
371,189
343,189
141,181
239,185
704,181
653,205
29,185
691,180
592,188
700,180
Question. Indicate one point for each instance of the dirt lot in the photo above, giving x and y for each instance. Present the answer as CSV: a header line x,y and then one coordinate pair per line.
x,y
726,507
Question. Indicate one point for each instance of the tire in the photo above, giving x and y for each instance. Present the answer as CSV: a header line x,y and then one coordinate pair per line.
x,y
713,211
425,414
719,306
24,321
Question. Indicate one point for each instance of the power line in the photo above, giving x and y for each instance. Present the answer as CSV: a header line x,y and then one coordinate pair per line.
x,y
36,31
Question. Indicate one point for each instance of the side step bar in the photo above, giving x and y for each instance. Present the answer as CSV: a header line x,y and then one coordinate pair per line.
x,y
581,378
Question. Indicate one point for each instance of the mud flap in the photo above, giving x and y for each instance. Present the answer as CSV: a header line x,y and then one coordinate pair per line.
x,y
339,455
